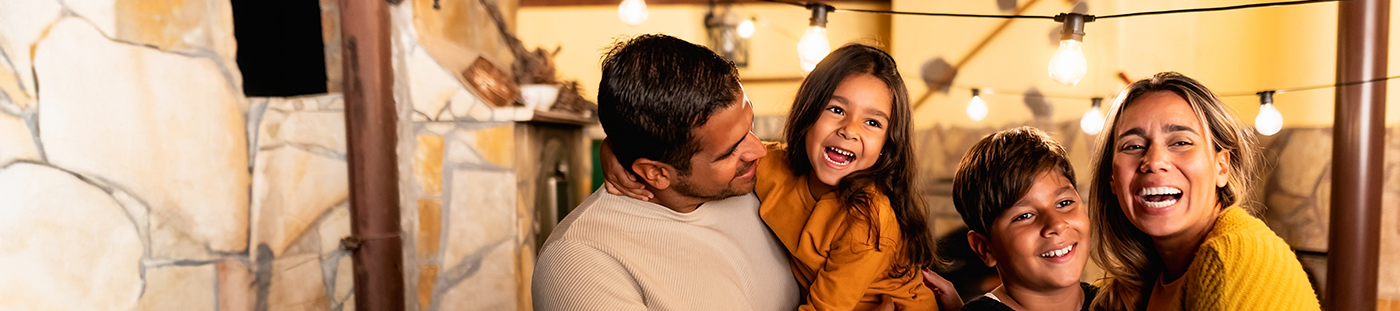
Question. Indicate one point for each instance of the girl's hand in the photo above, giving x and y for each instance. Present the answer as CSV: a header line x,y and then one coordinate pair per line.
x,y
943,291
616,179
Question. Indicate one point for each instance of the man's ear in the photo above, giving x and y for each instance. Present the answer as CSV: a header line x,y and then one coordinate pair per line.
x,y
982,247
658,175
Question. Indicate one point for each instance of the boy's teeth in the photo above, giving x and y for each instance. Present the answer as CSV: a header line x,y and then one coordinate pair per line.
x,y
1058,252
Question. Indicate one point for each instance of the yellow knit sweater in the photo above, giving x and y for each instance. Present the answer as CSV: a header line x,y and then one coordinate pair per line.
x,y
1243,265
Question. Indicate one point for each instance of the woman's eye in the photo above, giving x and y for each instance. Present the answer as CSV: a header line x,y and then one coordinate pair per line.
x,y
836,110
1022,216
873,123
1131,147
1181,143
1064,203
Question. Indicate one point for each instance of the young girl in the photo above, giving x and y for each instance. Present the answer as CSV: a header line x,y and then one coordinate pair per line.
x,y
839,193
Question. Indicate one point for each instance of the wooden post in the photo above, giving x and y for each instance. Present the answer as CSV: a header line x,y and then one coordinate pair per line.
x,y
1358,146
371,127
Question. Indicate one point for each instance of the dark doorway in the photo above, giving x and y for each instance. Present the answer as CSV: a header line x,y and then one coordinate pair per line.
x,y
280,50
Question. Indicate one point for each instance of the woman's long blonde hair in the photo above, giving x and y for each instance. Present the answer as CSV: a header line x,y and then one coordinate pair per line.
x,y
1127,255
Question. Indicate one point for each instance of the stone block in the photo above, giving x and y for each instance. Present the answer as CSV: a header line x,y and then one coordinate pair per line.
x,y
497,144
22,23
236,285
13,97
427,164
461,104
480,112
180,288
164,126
430,86
330,36
185,25
16,141
455,33
481,213
292,189
491,286
50,221
102,14
460,148
427,278
1297,191
297,284
429,227
334,227
344,280
1389,273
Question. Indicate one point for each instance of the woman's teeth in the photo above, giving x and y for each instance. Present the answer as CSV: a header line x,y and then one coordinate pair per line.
x,y
1159,197
838,156
1058,252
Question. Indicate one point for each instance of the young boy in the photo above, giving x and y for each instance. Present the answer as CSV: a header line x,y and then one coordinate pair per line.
x,y
1015,190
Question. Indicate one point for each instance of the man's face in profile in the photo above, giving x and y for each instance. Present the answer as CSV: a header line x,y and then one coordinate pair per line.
x,y
724,166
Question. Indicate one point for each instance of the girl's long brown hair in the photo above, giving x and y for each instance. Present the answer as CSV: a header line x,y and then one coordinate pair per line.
x,y
893,173
1127,255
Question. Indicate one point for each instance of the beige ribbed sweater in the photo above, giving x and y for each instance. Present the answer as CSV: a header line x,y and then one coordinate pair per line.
x,y
615,253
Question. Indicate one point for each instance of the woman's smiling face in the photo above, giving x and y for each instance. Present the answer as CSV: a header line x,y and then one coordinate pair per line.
x,y
851,130
1165,169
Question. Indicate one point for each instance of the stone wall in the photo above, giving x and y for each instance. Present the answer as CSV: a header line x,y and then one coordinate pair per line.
x,y
466,168
140,177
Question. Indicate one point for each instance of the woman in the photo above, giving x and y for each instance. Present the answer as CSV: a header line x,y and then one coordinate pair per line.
x,y
1168,198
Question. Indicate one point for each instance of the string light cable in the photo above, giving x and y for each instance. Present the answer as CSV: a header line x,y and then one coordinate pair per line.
x,y
1146,13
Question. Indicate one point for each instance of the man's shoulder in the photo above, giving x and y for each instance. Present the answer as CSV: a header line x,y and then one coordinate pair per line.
x,y
985,303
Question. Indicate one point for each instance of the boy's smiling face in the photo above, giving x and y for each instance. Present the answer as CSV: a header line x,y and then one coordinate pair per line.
x,y
1042,241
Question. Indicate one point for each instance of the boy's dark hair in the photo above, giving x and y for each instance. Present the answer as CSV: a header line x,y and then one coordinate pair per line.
x,y
655,91
1000,169
893,174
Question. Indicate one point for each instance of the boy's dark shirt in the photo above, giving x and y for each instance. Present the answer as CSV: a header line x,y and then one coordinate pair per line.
x,y
984,303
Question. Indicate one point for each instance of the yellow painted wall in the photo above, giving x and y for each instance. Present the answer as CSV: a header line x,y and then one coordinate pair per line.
x,y
584,33
1232,52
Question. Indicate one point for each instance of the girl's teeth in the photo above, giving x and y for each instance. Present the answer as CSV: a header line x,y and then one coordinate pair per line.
x,y
828,159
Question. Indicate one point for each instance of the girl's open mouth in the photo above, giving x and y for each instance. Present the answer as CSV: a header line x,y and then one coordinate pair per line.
x,y
839,156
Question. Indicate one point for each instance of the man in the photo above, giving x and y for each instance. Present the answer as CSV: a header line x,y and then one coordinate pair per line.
x,y
677,119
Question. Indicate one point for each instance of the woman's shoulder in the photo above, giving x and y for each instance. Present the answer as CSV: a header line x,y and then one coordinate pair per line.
x,y
1238,232
1242,262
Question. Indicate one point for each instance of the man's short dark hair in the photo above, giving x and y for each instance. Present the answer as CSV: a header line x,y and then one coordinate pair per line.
x,y
656,90
1000,169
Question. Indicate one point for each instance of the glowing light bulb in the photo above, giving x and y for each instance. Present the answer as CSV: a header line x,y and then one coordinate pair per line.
x,y
1269,121
1092,122
745,29
976,108
1068,66
813,47
632,12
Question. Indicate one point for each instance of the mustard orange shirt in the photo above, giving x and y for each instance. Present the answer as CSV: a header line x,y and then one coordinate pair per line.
x,y
833,256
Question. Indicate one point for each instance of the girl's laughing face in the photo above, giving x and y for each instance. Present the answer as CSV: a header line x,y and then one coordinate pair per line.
x,y
851,131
